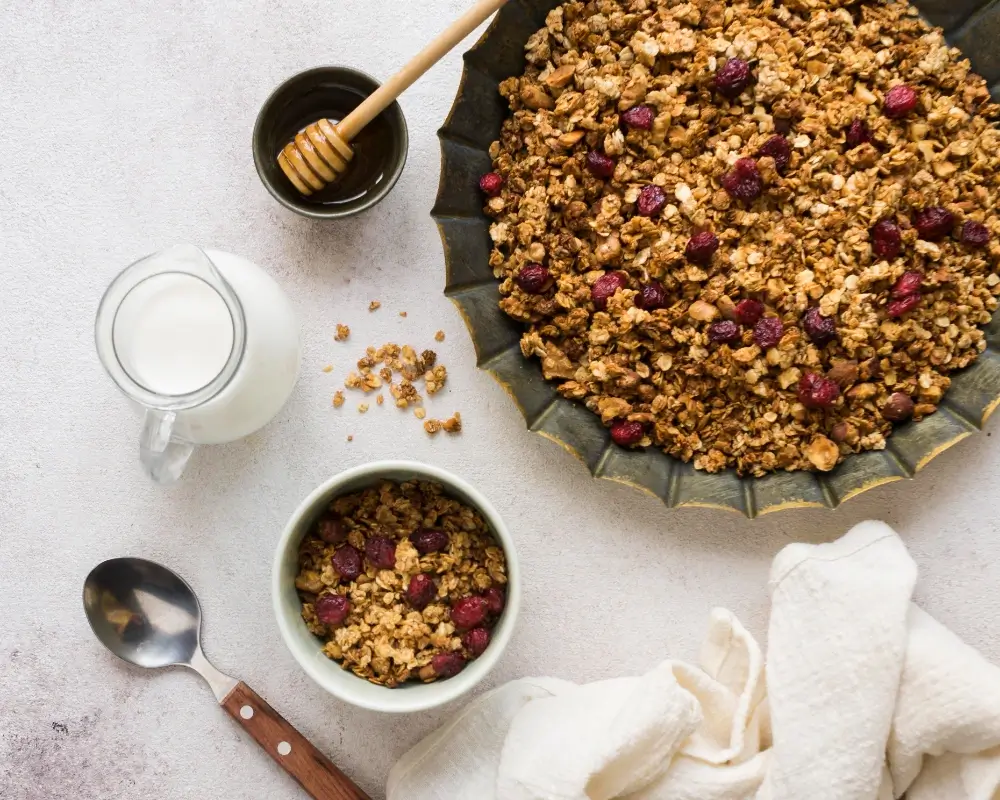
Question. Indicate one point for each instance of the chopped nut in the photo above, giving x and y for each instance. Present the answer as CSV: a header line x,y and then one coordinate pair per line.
x,y
342,332
419,413
822,453
402,313
439,336
362,408
338,399
374,305
328,368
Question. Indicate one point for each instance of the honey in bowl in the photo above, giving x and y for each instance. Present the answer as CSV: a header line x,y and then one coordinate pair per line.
x,y
373,147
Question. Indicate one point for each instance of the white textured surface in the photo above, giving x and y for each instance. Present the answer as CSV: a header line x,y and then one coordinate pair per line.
x,y
126,128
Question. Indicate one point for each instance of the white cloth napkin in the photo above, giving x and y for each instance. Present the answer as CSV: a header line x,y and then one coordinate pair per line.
x,y
863,697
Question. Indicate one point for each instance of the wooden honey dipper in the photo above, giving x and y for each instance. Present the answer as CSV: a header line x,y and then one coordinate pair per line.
x,y
321,152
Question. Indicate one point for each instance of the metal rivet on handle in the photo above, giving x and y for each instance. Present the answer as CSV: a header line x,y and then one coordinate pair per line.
x,y
284,748
246,712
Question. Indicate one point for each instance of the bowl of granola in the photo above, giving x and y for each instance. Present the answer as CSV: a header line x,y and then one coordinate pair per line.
x,y
741,255
395,586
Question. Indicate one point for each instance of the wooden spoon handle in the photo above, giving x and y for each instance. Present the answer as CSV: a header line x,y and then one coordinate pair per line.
x,y
293,752
382,97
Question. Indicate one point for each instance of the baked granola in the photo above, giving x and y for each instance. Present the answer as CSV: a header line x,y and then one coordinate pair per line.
x,y
754,235
401,582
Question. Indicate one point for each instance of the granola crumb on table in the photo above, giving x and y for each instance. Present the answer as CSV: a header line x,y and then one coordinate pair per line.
x,y
755,235
401,582
342,333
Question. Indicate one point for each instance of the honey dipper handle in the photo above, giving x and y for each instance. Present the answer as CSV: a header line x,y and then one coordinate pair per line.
x,y
293,752
382,97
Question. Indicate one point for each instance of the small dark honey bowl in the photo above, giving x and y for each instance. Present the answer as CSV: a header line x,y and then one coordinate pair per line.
x,y
331,92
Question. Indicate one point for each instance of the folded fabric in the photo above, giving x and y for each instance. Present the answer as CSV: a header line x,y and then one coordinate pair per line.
x,y
863,697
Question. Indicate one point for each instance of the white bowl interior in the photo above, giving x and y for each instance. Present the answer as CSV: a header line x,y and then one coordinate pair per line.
x,y
306,648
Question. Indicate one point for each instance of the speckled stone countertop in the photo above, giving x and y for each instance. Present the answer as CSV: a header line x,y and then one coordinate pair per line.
x,y
126,128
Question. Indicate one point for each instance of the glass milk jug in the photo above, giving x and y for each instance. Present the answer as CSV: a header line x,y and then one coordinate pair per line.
x,y
205,342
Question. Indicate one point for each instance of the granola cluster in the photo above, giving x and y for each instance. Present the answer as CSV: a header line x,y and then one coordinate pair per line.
x,y
401,582
751,234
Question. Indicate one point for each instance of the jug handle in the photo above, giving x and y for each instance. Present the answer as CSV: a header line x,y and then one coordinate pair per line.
x,y
164,455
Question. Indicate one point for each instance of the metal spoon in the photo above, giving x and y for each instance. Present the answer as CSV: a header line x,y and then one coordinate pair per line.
x,y
149,616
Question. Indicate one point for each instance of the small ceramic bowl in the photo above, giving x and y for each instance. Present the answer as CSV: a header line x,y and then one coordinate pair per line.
x,y
307,648
331,92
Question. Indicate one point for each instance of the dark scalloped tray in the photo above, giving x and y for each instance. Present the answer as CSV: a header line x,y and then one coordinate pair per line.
x,y
474,122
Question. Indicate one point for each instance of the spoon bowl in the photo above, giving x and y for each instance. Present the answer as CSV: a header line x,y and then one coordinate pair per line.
x,y
143,613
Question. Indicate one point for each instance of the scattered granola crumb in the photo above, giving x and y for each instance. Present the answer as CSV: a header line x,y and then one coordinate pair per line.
x,y
350,438
338,399
379,400
362,408
434,379
328,368
451,425
374,305
439,336
419,413
402,313
342,333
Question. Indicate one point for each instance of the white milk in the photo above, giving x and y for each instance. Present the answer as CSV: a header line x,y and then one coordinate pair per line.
x,y
173,334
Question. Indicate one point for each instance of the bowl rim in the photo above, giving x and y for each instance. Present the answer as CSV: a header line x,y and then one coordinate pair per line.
x,y
394,109
396,700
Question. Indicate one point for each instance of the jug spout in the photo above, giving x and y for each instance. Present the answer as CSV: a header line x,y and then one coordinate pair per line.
x,y
163,453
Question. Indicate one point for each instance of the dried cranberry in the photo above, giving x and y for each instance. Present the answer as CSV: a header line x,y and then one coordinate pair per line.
x,y
651,200
447,665
534,279
640,117
429,540
899,101
934,222
476,641
858,133
491,184
743,181
898,408
468,612
887,239
626,433
332,609
605,288
420,591
495,600
381,552
818,328
652,296
347,562
975,234
701,247
747,312
909,283
902,305
768,332
600,165
779,149
723,331
815,391
732,78
332,531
